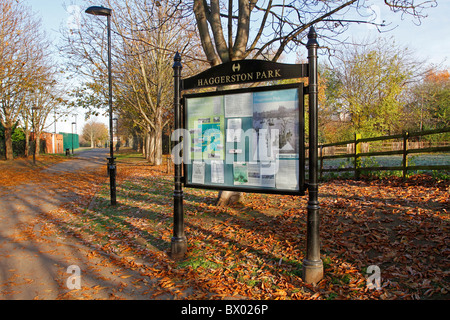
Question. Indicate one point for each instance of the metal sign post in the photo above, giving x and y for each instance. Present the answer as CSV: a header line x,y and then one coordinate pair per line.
x,y
178,242
312,264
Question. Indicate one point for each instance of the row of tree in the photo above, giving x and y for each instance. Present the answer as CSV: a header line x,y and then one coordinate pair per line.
x,y
28,77
147,33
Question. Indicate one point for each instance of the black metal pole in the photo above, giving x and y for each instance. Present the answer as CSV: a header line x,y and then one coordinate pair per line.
x,y
72,136
112,164
34,131
178,243
313,265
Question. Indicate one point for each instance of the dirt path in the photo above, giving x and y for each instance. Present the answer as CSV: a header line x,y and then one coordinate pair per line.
x,y
36,264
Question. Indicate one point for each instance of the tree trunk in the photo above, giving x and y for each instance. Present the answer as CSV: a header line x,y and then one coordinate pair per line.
x,y
92,141
27,142
158,142
158,148
37,143
227,198
8,143
151,148
140,143
135,142
147,145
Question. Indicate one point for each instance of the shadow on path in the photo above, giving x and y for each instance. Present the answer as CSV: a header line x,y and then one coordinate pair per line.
x,y
33,263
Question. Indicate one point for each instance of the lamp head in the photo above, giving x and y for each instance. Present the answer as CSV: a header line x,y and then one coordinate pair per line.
x,y
99,11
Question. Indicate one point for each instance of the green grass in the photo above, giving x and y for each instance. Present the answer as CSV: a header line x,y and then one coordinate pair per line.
x,y
438,159
391,161
197,262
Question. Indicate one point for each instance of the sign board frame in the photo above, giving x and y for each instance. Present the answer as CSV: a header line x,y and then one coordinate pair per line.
x,y
245,71
236,161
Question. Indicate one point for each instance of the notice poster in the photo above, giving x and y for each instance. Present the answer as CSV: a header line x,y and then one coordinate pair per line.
x,y
217,172
287,164
198,172
254,174
234,130
275,118
240,173
268,172
239,105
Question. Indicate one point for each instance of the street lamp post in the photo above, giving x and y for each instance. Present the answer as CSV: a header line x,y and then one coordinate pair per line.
x,y
116,133
54,133
102,11
72,136
33,124
75,115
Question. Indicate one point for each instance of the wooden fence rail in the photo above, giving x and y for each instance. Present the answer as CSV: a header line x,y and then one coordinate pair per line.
x,y
359,144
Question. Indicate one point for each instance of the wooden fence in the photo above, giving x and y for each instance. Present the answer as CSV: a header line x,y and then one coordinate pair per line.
x,y
358,148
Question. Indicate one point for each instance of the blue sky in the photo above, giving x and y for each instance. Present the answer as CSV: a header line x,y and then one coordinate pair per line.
x,y
429,41
54,15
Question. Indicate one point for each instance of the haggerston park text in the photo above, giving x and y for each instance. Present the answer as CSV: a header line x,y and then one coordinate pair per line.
x,y
250,76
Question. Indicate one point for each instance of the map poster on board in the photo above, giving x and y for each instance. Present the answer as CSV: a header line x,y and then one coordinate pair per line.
x,y
206,127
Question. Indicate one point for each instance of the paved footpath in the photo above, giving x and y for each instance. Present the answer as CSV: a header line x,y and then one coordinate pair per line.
x,y
34,265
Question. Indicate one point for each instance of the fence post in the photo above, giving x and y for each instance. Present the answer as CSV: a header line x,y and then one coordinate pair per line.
x,y
357,157
405,153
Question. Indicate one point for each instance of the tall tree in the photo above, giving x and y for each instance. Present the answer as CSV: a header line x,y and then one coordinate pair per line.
x,y
429,105
437,99
23,62
147,33
41,102
278,26
369,84
94,132
150,36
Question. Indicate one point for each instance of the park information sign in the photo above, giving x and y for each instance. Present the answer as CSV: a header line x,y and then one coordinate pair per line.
x,y
246,140
249,140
